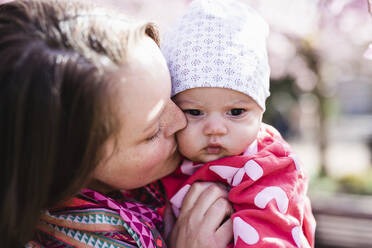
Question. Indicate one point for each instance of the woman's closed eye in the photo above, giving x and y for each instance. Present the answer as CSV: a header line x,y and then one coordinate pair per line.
x,y
154,136
193,112
236,111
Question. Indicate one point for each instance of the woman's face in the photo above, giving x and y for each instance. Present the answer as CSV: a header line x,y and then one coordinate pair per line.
x,y
146,149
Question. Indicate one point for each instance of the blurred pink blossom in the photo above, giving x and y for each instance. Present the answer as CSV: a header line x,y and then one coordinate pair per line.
x,y
336,29
368,53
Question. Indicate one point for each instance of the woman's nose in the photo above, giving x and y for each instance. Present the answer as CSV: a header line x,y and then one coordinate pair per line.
x,y
176,119
214,125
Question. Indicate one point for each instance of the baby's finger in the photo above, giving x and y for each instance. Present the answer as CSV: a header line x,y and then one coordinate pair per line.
x,y
192,196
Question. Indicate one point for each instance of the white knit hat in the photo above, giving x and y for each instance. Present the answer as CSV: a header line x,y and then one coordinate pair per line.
x,y
219,43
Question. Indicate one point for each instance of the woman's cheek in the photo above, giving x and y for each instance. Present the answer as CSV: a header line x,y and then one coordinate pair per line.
x,y
155,157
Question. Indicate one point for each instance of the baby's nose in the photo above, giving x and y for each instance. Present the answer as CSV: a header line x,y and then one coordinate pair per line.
x,y
215,125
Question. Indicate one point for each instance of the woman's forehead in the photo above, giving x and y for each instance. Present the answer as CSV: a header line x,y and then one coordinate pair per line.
x,y
143,90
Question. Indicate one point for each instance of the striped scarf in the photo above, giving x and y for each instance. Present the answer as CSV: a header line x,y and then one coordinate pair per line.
x,y
94,220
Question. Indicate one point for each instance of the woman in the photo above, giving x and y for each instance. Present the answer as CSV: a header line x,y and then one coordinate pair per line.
x,y
86,123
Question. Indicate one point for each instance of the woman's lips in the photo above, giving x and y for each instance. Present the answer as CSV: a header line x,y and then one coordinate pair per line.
x,y
213,149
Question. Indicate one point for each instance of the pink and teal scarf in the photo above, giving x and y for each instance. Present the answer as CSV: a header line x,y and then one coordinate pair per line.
x,y
92,219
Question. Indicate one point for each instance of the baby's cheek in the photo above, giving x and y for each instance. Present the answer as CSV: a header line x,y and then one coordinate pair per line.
x,y
186,142
182,139
246,135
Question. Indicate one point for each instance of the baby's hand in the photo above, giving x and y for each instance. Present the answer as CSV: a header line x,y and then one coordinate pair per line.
x,y
201,222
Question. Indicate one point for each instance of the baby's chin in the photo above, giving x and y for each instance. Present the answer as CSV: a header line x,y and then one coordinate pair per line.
x,y
205,158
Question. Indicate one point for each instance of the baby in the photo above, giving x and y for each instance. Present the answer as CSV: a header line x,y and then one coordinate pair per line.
x,y
220,79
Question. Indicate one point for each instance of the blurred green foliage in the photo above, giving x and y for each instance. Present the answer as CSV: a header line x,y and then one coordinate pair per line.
x,y
353,184
357,184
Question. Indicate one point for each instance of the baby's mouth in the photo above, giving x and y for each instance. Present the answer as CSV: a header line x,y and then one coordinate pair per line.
x,y
213,149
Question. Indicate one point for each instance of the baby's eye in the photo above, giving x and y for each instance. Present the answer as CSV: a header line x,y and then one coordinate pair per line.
x,y
236,111
194,112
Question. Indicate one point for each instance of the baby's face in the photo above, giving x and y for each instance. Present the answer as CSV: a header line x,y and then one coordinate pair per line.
x,y
220,122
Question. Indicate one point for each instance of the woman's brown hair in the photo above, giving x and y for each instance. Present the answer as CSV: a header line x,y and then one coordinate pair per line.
x,y
56,58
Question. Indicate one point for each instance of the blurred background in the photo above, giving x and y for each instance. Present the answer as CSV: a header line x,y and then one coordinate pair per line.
x,y
321,101
321,87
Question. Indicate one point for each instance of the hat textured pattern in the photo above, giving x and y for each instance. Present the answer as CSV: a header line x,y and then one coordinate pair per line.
x,y
219,43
